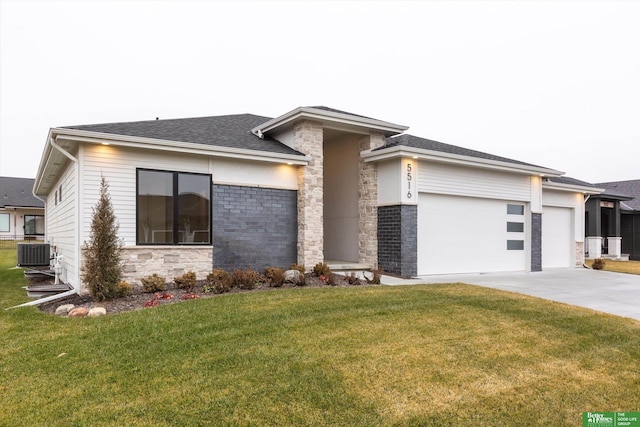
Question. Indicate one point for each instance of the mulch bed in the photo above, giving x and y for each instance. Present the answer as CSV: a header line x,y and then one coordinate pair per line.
x,y
138,298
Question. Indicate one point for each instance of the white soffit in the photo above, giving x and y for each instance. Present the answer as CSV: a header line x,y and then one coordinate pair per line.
x,y
331,120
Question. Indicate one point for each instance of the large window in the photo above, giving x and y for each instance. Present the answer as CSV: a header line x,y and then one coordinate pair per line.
x,y
4,223
173,208
33,225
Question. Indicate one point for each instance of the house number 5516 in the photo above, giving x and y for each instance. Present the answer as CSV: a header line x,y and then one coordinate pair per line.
x,y
409,177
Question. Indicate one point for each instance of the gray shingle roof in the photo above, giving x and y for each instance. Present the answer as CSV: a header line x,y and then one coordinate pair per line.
x,y
333,110
231,131
571,181
407,140
18,192
629,188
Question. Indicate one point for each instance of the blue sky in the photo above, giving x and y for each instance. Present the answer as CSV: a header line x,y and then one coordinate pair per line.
x,y
553,83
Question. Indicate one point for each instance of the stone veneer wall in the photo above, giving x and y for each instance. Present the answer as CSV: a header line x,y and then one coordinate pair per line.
x,y
367,203
253,227
166,261
398,239
536,242
308,139
579,254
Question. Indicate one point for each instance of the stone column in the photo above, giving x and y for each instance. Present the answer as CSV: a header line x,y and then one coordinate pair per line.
x,y
615,246
368,203
308,139
595,246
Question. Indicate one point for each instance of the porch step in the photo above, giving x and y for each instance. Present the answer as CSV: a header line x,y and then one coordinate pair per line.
x,y
45,290
622,257
341,266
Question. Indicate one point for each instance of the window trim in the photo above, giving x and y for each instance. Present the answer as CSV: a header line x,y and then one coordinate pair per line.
x,y
8,230
175,208
25,225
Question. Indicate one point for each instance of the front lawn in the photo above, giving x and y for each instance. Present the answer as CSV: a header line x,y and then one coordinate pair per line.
x,y
631,267
357,356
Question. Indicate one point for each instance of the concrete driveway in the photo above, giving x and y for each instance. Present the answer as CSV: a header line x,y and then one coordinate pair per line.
x,y
614,293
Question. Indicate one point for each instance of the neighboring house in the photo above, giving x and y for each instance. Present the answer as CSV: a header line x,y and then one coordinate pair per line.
x,y
313,185
21,214
613,220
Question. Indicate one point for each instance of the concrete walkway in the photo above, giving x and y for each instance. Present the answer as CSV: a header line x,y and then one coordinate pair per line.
x,y
614,293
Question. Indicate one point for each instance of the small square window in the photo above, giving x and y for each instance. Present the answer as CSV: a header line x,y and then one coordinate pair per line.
x,y
515,209
515,245
515,227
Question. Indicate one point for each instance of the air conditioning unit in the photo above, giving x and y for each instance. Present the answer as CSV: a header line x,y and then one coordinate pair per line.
x,y
33,254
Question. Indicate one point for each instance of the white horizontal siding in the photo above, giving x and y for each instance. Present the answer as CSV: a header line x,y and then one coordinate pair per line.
x,y
118,166
441,178
60,219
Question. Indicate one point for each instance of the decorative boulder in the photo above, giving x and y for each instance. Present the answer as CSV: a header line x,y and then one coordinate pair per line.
x,y
78,312
64,309
293,276
97,311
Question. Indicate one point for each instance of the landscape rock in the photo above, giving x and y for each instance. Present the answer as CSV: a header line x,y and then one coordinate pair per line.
x,y
97,311
64,309
78,312
293,276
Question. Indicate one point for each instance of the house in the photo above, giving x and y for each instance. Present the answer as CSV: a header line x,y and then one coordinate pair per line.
x,y
613,220
21,214
314,184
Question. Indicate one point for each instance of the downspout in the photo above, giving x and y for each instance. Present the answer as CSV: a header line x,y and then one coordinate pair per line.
x,y
77,207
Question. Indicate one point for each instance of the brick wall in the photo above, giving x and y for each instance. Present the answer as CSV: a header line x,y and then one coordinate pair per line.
x,y
536,242
254,227
398,239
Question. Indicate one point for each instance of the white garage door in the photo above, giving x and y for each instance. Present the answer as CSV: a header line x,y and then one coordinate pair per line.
x,y
557,237
469,235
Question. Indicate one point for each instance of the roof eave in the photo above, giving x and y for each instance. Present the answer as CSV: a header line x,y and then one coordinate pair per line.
x,y
342,119
177,146
438,156
571,187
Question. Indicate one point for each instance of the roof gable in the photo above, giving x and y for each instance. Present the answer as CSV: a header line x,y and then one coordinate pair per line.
x,y
18,192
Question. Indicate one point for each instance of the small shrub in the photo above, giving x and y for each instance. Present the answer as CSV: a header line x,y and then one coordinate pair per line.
x,y
153,302
207,289
275,276
598,264
123,289
330,279
321,269
186,281
375,280
153,283
219,281
298,267
352,279
190,295
245,279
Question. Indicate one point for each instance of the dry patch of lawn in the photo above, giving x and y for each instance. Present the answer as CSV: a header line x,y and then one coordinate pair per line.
x,y
630,267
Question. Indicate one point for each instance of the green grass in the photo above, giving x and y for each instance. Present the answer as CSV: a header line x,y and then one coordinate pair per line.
x,y
435,355
630,267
